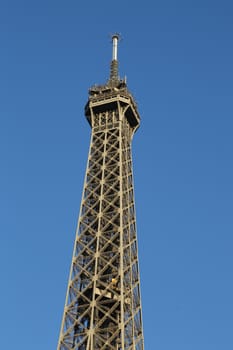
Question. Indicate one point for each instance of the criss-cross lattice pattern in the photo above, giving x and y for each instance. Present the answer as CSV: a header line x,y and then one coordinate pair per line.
x,y
103,308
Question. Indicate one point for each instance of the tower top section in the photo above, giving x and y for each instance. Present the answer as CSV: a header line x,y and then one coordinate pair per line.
x,y
113,95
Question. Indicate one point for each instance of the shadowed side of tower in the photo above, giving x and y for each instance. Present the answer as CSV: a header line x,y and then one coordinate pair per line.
x,y
103,305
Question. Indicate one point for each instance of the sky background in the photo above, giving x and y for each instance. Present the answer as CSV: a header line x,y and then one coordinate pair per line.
x,y
177,56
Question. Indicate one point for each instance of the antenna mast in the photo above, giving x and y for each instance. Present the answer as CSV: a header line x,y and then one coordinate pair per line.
x,y
115,39
114,79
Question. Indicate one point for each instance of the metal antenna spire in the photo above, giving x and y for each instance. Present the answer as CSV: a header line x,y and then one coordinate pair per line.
x,y
114,64
115,39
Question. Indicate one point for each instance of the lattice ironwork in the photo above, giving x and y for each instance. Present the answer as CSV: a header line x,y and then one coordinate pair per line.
x,y
103,306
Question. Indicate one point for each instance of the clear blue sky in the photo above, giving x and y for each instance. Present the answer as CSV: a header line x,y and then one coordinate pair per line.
x,y
178,58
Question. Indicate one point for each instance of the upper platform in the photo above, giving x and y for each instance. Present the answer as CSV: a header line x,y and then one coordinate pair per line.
x,y
103,98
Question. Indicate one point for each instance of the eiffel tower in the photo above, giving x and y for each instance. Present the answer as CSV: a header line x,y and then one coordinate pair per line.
x,y
103,305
